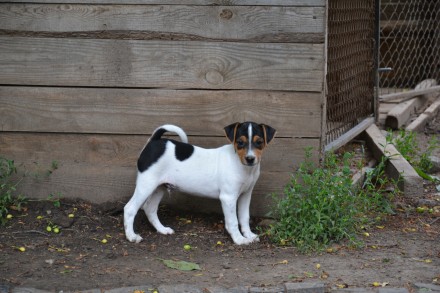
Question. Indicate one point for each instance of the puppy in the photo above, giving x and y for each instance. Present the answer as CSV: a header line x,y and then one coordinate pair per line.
x,y
228,173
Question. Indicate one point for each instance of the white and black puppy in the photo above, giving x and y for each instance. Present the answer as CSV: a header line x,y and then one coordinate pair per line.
x,y
228,173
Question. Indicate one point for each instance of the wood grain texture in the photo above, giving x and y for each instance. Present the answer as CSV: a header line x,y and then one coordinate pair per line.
x,y
102,168
138,111
161,64
187,2
209,23
122,150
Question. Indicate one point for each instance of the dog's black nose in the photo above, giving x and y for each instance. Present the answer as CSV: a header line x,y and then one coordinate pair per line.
x,y
250,159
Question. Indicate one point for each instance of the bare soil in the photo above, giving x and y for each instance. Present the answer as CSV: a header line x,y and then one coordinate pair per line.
x,y
403,248
406,249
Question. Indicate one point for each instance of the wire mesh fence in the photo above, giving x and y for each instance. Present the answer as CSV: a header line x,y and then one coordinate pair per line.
x,y
350,65
409,44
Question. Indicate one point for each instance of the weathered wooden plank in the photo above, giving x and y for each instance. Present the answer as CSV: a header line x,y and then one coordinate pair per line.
x,y
98,185
138,111
397,167
102,168
161,64
122,150
221,23
187,2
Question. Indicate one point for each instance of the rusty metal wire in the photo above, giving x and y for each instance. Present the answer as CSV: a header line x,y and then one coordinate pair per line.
x,y
409,44
350,71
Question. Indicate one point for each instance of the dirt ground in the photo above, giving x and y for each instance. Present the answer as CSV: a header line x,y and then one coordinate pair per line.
x,y
402,249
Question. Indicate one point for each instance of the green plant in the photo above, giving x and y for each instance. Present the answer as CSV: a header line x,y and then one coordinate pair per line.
x,y
8,185
55,199
406,143
320,206
425,163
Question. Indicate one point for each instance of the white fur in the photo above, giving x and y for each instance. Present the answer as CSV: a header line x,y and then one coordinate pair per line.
x,y
215,173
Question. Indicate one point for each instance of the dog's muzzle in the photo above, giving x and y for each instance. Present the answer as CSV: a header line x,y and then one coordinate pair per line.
x,y
250,160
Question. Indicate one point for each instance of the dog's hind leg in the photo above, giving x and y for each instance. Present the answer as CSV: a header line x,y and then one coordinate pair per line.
x,y
141,194
150,207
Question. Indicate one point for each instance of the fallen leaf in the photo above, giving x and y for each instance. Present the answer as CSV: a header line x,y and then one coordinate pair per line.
x,y
57,249
378,284
181,265
309,274
283,262
342,286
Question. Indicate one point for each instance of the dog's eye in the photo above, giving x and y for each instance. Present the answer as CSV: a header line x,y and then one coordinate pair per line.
x,y
240,143
259,143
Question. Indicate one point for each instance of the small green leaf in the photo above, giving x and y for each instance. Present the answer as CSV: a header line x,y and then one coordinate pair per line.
x,y
181,265
423,174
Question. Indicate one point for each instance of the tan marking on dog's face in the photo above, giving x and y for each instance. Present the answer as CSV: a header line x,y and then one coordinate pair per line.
x,y
258,147
241,147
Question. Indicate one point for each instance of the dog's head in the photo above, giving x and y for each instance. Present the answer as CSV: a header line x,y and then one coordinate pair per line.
x,y
249,140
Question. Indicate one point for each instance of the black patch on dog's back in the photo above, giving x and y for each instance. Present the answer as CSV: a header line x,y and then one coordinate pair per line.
x,y
151,154
183,150
156,148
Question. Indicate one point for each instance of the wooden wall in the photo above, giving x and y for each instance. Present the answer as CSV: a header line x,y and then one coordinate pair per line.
x,y
85,83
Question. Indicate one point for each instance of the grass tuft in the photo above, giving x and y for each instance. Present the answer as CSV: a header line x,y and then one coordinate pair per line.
x,y
8,197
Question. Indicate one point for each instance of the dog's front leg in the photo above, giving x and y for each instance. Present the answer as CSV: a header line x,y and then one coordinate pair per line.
x,y
244,203
229,206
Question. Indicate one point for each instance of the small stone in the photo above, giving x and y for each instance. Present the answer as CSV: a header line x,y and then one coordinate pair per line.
x,y
435,164
306,287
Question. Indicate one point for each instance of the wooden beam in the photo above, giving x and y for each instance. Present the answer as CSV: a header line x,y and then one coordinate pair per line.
x,y
187,2
269,24
282,155
404,96
161,64
349,135
400,114
139,111
398,167
419,123
102,168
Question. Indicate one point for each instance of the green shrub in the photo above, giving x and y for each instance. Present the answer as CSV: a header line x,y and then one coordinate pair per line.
x,y
320,206
8,196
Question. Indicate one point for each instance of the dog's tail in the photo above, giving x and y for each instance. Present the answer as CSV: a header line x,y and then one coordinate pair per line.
x,y
157,134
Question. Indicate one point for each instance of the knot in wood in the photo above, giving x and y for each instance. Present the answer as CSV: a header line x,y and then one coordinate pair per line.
x,y
214,77
226,14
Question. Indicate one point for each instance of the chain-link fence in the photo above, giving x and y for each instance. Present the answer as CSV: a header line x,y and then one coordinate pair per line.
x,y
409,44
350,71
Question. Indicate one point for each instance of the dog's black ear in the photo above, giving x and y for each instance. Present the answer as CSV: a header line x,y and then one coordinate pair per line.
x,y
269,133
231,131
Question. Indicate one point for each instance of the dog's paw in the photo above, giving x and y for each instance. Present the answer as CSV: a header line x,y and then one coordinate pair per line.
x,y
242,241
255,239
252,236
134,238
166,231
